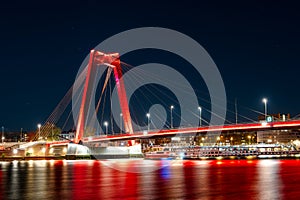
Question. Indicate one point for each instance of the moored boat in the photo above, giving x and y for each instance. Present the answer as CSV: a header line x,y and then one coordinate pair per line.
x,y
223,152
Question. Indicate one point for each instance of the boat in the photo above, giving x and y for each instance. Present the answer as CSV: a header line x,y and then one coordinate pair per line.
x,y
223,152
159,153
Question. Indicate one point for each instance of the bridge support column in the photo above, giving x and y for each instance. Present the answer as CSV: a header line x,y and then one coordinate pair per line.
x,y
110,60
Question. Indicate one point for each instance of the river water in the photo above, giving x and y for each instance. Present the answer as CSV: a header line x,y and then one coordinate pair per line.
x,y
147,179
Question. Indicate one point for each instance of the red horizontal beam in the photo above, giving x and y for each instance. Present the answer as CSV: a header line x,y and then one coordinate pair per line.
x,y
240,127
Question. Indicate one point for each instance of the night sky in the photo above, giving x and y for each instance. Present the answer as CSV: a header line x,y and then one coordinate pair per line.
x,y
255,46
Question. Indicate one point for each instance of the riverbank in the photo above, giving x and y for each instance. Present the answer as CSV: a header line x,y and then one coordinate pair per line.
x,y
27,158
20,158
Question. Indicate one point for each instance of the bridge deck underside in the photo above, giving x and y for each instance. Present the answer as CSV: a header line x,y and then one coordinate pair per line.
x,y
213,130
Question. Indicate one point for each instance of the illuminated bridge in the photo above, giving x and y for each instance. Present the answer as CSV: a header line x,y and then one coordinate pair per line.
x,y
87,114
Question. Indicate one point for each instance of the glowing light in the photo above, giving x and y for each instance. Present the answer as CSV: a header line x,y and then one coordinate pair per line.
x,y
203,158
51,162
30,150
181,155
175,138
15,151
264,163
264,123
264,100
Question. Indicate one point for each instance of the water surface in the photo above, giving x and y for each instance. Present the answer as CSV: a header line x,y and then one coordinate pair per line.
x,y
144,179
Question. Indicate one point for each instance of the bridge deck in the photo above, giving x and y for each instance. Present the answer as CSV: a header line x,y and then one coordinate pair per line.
x,y
172,132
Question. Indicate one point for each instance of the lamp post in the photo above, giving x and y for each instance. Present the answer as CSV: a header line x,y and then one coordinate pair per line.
x,y
106,125
39,127
171,109
148,116
21,135
265,100
121,115
2,134
200,113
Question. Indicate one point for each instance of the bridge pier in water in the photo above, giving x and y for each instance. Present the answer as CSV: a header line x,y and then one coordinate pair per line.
x,y
104,150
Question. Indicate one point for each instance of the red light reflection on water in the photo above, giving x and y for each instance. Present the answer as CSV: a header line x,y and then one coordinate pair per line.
x,y
290,178
173,179
1,184
224,179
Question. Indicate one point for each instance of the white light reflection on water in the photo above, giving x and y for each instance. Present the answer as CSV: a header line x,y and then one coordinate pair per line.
x,y
133,165
202,180
269,183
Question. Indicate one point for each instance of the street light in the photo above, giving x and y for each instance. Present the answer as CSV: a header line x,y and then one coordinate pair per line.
x,y
202,139
148,116
171,109
106,125
264,100
121,115
200,112
2,133
21,135
39,127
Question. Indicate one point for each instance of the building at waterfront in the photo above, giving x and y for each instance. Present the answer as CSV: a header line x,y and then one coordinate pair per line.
x,y
275,117
277,136
67,135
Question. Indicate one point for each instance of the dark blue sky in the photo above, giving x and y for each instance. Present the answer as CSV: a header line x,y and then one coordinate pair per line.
x,y
255,46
